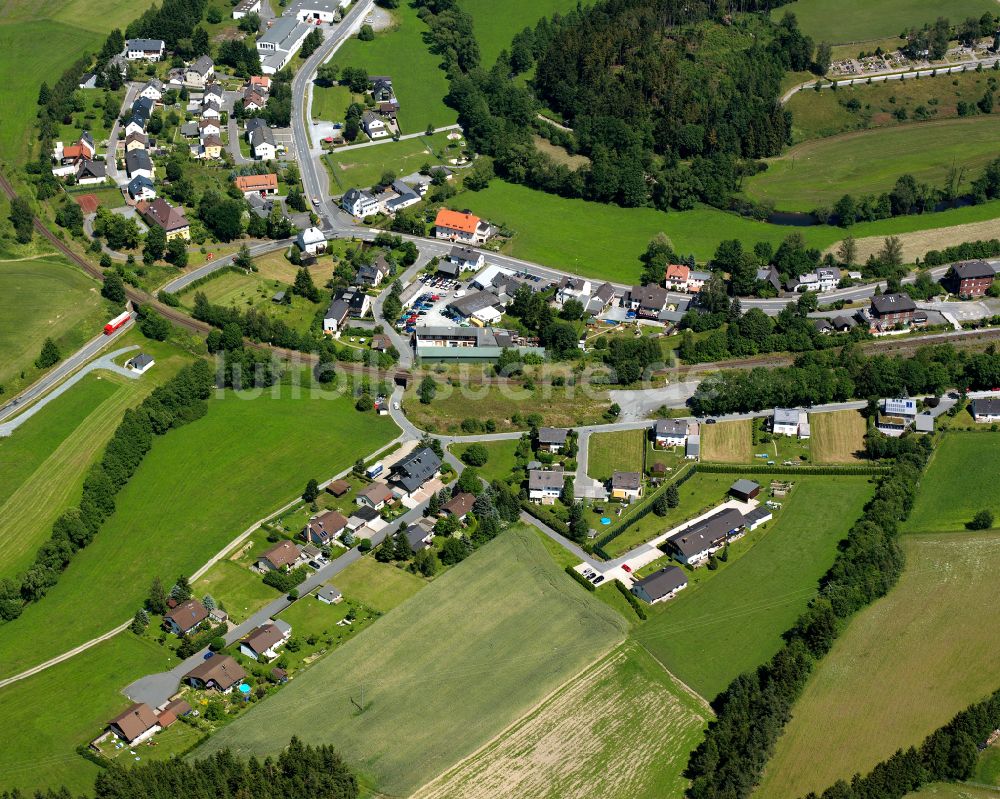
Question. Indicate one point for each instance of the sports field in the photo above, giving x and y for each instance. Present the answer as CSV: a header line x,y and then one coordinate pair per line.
x,y
837,437
605,241
501,461
944,501
53,712
224,482
39,298
496,23
579,744
620,451
859,20
419,82
902,668
364,166
443,673
817,173
714,631
726,442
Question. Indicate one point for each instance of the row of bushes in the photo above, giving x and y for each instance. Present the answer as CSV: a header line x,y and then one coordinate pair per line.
x,y
752,711
640,611
760,468
581,579
177,402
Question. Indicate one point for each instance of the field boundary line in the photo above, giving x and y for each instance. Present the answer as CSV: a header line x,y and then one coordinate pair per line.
x,y
592,666
694,694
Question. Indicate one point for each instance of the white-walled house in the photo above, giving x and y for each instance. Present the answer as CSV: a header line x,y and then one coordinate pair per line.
x,y
145,49
790,422
312,240
359,203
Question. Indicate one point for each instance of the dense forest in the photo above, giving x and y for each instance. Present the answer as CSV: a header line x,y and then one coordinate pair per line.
x,y
671,102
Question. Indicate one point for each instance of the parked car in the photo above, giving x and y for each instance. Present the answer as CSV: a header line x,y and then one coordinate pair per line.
x,y
627,568
599,580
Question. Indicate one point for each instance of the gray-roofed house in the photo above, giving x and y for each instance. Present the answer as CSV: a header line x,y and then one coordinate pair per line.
x,y
411,472
757,517
896,415
374,495
552,439
374,273
692,448
199,72
142,107
90,172
790,422
141,188
466,258
626,486
359,203
986,410
137,162
262,143
471,303
144,49
770,276
744,489
364,516
670,432
141,363
329,595
971,278
924,422
696,542
661,585
889,310
648,301
374,125
153,90
419,535
189,130
544,487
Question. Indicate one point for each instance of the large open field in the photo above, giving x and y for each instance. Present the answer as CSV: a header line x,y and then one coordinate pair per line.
x,y
443,673
605,241
365,166
620,451
826,113
859,20
496,23
39,298
726,442
712,632
52,713
581,744
401,53
819,173
944,501
901,669
837,437
199,487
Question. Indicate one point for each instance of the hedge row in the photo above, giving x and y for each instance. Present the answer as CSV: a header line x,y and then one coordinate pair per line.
x,y
640,611
581,579
726,468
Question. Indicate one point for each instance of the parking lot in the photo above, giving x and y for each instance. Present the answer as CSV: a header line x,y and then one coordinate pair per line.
x,y
427,305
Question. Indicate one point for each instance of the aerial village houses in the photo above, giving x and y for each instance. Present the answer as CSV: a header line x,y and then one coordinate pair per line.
x,y
889,310
329,595
185,617
411,472
218,672
325,528
257,184
374,125
137,162
745,490
359,203
694,544
144,49
280,557
90,172
459,506
374,273
153,90
971,279
280,42
312,240
464,227
135,724
198,74
790,422
895,416
670,433
661,585
464,258
262,143
544,486
172,220
648,301
986,410
374,495
552,439
244,7
141,188
262,642
626,486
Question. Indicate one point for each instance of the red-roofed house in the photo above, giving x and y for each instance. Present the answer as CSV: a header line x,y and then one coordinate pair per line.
x,y
460,226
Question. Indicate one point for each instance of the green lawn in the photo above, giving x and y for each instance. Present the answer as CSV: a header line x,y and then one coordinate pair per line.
x,y
198,488
820,172
443,673
53,712
620,451
419,82
860,20
496,23
501,461
331,102
932,638
733,622
382,586
580,743
237,589
605,241
944,501
364,167
40,298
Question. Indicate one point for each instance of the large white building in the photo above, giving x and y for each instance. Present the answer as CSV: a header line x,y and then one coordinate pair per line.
x,y
280,42
313,11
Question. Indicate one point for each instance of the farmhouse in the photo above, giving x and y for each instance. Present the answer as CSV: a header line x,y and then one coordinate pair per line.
x,y
552,439
374,495
219,672
140,364
329,595
670,433
971,278
199,73
185,617
312,240
262,643
626,486
744,490
257,184
461,226
135,724
896,415
660,586
693,545
986,410
262,143
244,7
410,473
790,422
459,506
465,258
144,49
359,203
890,310
324,528
172,220
281,557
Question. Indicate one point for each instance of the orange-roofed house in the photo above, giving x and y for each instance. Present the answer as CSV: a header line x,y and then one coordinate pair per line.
x,y
257,184
73,153
459,226
260,82
677,277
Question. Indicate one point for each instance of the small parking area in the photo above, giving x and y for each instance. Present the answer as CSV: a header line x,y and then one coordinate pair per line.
x,y
427,305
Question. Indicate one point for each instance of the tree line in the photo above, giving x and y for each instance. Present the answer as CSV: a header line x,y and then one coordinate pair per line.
x,y
817,378
752,711
180,400
300,771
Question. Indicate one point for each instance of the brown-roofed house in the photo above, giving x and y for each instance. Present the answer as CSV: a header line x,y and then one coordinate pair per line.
x,y
220,672
381,342
257,184
459,505
375,495
135,724
338,488
282,555
178,707
263,641
172,220
185,617
324,528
